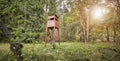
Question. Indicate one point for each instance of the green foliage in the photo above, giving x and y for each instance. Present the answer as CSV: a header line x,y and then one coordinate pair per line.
x,y
65,52
25,19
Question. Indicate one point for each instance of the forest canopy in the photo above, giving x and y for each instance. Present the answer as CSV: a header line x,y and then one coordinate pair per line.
x,y
80,20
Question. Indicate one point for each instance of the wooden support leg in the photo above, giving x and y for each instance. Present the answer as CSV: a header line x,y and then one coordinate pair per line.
x,y
54,34
46,36
58,36
53,41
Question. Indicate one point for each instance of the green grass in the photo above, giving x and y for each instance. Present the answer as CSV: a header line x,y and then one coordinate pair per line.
x,y
67,51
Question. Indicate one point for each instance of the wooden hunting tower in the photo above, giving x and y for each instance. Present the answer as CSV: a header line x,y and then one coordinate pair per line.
x,y
52,29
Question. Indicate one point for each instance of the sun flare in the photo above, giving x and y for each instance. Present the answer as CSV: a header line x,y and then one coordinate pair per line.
x,y
99,12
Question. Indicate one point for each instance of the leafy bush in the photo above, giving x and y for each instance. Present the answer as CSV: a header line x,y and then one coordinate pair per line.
x,y
65,52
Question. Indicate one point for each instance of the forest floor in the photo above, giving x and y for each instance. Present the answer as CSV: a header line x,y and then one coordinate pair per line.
x,y
66,51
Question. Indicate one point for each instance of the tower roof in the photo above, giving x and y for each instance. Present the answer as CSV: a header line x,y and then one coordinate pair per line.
x,y
53,15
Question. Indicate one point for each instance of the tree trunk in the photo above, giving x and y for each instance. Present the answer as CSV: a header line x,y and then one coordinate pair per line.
x,y
5,30
107,32
114,30
88,27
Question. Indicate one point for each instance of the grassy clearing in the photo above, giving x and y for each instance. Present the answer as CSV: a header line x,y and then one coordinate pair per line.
x,y
65,52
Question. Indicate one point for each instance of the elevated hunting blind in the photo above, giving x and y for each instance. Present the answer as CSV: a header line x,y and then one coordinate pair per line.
x,y
52,29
